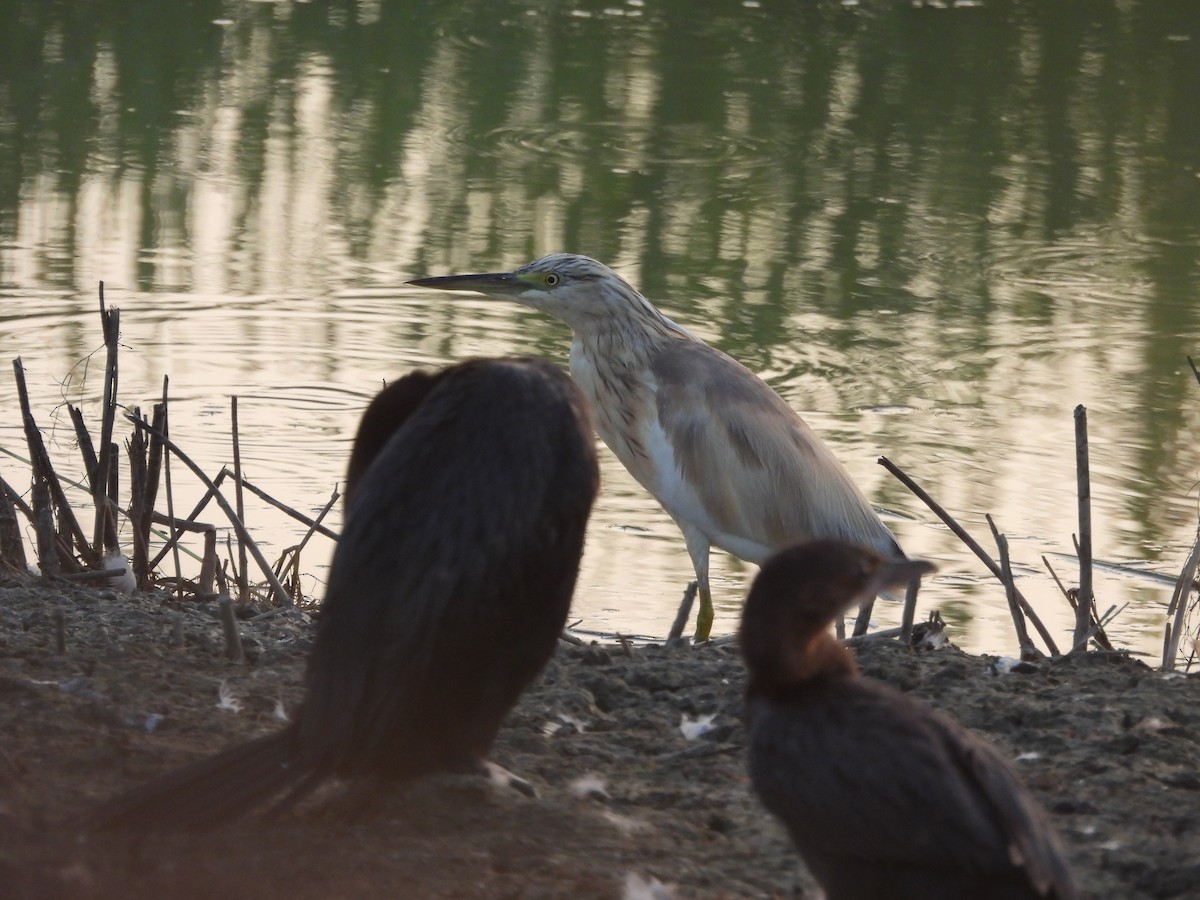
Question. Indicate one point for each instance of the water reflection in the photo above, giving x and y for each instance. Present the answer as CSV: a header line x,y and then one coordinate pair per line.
x,y
935,230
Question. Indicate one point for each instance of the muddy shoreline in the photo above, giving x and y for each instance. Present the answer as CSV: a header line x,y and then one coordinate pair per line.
x,y
626,801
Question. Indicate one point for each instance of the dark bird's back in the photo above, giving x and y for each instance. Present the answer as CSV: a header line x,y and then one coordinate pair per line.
x,y
882,795
468,496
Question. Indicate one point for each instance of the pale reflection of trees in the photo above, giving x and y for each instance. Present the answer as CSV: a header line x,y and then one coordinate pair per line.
x,y
968,205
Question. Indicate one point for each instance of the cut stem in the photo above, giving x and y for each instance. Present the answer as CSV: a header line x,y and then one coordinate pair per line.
x,y
281,595
1083,602
972,544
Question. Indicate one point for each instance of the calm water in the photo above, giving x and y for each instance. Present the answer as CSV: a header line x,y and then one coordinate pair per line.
x,y
934,228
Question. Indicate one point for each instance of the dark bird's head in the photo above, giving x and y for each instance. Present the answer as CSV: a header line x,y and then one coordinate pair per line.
x,y
389,409
798,594
496,386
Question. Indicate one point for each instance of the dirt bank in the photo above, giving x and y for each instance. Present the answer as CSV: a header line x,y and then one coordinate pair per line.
x,y
1109,746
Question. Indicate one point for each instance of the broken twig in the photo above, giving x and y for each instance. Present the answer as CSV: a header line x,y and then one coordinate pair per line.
x,y
1083,602
233,641
1177,608
1097,631
963,536
277,589
675,637
312,524
1028,651
110,322
238,495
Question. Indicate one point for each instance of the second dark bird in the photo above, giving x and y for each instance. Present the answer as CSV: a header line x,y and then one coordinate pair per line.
x,y
882,796
467,498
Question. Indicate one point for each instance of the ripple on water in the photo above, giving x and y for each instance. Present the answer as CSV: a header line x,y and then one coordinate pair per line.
x,y
626,142
1096,269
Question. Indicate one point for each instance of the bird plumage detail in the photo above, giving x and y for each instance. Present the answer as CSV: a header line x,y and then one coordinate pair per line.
x,y
468,496
882,795
729,460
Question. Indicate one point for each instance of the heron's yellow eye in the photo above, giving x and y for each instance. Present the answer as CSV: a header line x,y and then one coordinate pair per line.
x,y
550,279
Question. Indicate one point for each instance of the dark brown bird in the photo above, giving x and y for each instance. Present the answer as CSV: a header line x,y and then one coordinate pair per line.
x,y
882,796
468,495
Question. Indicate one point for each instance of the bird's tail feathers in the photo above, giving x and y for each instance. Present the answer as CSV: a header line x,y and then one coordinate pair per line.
x,y
208,793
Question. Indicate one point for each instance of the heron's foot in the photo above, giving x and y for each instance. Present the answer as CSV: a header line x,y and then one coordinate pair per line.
x,y
704,618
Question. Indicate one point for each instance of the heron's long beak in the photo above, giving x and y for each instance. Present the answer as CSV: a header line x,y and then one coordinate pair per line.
x,y
485,283
897,573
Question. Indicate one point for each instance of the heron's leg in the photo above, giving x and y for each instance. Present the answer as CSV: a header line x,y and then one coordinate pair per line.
x,y
704,618
697,547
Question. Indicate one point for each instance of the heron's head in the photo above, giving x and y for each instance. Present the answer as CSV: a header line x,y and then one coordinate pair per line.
x,y
575,289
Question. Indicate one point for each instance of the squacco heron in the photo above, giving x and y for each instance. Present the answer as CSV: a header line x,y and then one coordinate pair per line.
x,y
728,459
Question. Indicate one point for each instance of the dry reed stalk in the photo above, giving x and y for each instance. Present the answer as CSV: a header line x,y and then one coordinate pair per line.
x,y
154,467
136,451
208,566
675,636
1098,625
1085,599
1097,629
290,558
84,438
220,574
1177,608
110,505
91,467
207,559
12,548
183,525
16,500
96,575
233,640
974,546
281,595
861,640
147,494
161,435
239,495
1028,651
110,322
43,529
43,472
312,524
315,525
177,523
289,562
